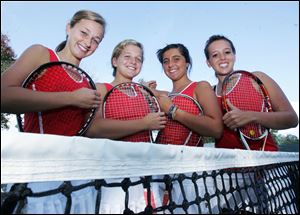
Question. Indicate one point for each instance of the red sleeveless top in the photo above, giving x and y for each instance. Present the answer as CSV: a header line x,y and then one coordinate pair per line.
x,y
62,121
108,87
176,133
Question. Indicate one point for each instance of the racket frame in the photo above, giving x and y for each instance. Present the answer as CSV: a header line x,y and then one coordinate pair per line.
x,y
152,133
266,101
35,73
173,95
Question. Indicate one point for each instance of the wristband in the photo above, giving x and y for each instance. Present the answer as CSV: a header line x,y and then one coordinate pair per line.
x,y
171,111
174,112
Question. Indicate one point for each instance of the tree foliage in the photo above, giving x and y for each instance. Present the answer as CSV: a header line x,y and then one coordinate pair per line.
x,y
284,139
279,138
7,58
7,53
208,140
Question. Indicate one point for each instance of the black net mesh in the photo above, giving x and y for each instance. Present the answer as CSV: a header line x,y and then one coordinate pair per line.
x,y
263,189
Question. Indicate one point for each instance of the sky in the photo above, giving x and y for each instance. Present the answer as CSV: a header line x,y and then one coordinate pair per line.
x,y
265,35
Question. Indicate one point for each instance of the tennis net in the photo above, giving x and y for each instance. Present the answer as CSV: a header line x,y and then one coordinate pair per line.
x,y
58,174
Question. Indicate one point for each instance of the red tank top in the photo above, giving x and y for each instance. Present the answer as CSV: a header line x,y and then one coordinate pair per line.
x,y
108,86
62,121
230,139
170,134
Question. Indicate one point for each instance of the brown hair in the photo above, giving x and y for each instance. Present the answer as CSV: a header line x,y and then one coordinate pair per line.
x,y
120,47
79,15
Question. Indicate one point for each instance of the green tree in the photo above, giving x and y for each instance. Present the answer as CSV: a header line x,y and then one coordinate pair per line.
x,y
4,121
277,137
284,139
291,139
208,140
7,58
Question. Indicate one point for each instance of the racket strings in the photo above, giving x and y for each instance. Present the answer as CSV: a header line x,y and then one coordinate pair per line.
x,y
52,79
151,100
128,90
130,102
62,121
177,133
74,73
246,94
122,107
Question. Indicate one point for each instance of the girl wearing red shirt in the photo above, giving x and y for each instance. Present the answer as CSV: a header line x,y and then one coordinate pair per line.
x,y
84,33
127,59
176,63
220,56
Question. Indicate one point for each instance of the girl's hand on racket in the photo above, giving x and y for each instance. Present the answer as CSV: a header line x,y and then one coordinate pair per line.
x,y
155,121
236,117
151,84
86,98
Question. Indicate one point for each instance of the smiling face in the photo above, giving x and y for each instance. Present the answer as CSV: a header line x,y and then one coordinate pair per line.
x,y
84,38
174,64
221,57
129,63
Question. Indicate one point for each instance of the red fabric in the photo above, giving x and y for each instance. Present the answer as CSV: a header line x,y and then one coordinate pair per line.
x,y
230,138
63,121
176,133
121,106
189,90
108,86
245,94
52,56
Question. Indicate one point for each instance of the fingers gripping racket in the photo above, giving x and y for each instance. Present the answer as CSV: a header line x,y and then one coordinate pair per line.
x,y
246,92
57,77
131,101
177,133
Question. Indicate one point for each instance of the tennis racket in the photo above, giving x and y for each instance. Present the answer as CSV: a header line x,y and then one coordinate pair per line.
x,y
247,92
177,133
131,101
57,77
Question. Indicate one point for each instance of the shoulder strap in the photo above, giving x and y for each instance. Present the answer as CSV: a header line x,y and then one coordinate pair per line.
x,y
108,86
189,90
52,55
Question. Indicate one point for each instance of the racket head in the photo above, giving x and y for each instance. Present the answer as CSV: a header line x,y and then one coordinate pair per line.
x,y
131,101
246,92
177,133
53,77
